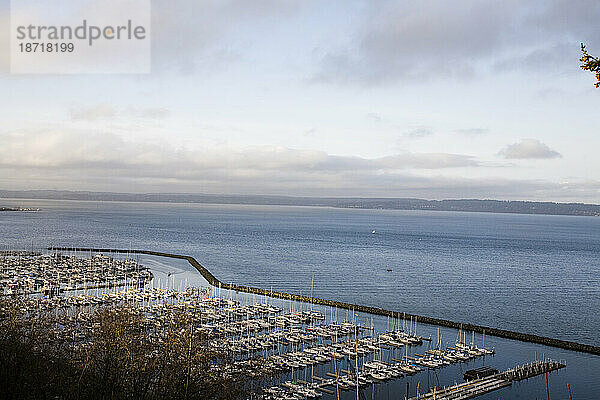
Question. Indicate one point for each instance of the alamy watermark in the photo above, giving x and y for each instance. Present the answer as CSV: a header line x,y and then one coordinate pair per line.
x,y
80,36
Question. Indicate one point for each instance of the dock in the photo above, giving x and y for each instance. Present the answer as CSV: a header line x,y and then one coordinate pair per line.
x,y
490,331
497,381
478,373
260,337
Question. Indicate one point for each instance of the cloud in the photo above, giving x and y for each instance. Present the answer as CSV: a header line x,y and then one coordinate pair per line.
x,y
311,132
427,161
192,36
417,133
472,131
433,39
92,149
374,117
104,161
4,40
101,111
36,159
528,149
148,113
548,58
104,111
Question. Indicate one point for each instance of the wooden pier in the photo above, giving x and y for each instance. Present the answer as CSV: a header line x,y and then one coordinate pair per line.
x,y
482,386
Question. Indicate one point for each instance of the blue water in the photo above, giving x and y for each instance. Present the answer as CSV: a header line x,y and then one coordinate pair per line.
x,y
533,274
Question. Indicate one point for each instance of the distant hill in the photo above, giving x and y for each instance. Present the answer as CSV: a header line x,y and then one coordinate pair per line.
x,y
469,205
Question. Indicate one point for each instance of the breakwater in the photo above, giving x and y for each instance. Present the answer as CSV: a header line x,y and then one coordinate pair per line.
x,y
211,279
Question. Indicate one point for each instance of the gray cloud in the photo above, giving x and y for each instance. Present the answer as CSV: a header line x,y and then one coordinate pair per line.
x,y
4,40
551,58
419,132
101,161
191,36
528,149
436,38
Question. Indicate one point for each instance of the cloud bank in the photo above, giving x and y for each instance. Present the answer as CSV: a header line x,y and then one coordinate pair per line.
x,y
89,160
90,149
432,39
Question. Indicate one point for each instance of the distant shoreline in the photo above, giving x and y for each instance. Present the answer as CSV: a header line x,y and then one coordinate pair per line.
x,y
407,204
18,209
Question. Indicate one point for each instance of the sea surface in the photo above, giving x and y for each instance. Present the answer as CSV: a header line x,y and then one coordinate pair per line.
x,y
529,273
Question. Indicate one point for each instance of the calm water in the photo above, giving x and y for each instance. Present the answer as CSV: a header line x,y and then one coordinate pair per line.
x,y
535,274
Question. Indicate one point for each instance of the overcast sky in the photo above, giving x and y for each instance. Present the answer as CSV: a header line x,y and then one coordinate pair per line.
x,y
432,99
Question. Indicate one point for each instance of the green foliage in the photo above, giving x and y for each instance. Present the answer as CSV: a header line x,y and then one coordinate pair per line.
x,y
590,63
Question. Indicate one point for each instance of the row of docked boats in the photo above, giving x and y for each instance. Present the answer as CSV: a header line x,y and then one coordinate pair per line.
x,y
31,273
258,334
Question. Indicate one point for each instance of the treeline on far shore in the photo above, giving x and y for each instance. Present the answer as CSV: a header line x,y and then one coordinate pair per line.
x,y
387,203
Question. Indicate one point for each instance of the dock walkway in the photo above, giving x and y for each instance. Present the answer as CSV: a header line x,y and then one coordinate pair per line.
x,y
482,386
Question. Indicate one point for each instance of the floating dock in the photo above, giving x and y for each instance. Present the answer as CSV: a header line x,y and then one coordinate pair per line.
x,y
497,381
478,373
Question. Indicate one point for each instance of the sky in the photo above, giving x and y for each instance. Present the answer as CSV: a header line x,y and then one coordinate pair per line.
x,y
365,98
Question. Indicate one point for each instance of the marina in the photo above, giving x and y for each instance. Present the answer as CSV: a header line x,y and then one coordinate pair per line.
x,y
307,350
292,200
27,273
490,331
